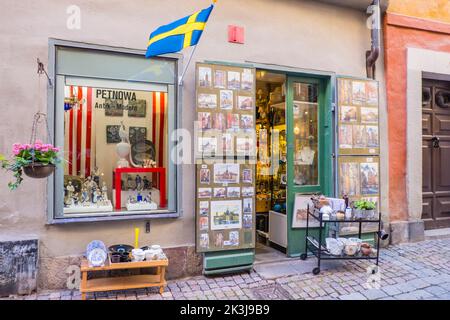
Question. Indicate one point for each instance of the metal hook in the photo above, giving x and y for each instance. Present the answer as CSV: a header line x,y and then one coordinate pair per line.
x,y
41,70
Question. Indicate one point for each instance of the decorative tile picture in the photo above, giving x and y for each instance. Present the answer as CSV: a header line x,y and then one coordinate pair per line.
x,y
112,134
137,108
137,134
113,108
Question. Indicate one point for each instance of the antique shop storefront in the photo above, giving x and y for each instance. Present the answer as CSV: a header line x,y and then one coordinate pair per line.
x,y
286,113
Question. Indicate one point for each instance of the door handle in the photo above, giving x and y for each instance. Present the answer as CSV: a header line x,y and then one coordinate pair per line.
x,y
435,140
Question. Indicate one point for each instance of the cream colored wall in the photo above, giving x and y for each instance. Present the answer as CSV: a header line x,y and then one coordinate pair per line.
x,y
303,34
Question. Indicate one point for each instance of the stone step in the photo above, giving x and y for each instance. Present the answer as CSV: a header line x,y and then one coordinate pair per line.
x,y
437,234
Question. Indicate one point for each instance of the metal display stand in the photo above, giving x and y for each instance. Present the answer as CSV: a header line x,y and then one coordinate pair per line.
x,y
315,245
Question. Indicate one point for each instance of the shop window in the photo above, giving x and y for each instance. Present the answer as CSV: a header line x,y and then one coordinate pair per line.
x,y
115,134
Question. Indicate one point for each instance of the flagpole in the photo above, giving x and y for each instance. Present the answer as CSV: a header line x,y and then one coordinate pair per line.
x,y
180,81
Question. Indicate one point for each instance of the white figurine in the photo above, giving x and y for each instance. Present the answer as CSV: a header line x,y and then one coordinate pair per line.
x,y
104,191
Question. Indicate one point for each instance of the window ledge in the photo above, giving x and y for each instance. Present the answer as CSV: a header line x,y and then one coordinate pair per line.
x,y
61,221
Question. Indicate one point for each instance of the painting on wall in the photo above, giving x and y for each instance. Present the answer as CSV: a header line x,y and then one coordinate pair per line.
x,y
112,134
137,134
369,178
226,173
349,178
226,214
137,108
113,108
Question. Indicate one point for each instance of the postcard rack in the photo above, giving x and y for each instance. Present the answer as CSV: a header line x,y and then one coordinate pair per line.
x,y
315,245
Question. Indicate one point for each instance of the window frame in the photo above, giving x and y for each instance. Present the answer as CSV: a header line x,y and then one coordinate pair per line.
x,y
53,45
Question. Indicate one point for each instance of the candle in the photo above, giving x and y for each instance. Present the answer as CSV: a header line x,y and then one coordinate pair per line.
x,y
136,238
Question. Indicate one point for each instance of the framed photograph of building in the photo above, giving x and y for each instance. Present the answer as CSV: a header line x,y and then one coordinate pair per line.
x,y
207,101
369,178
226,173
234,80
137,108
349,114
226,99
226,214
204,77
220,79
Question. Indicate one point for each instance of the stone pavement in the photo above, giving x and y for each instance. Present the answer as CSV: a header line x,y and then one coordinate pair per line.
x,y
407,272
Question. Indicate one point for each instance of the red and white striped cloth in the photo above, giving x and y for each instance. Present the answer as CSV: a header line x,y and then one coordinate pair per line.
x,y
79,144
80,138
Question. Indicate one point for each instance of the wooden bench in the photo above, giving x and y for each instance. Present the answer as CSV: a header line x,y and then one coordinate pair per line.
x,y
123,282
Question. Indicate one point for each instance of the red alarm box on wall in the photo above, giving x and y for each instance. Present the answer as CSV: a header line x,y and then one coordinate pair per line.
x,y
235,34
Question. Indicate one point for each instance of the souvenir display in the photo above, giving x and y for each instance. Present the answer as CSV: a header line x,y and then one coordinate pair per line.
x,y
358,161
88,197
226,119
140,201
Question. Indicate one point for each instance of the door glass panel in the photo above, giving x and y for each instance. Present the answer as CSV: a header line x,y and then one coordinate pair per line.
x,y
306,113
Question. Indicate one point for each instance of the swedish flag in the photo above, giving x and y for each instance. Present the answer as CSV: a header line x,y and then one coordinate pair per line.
x,y
177,35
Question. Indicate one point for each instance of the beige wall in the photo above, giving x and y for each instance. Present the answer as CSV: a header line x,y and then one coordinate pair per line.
x,y
303,34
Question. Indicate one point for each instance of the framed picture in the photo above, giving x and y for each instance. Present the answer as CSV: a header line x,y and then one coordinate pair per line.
x,y
248,191
204,77
220,79
301,211
358,92
226,214
233,192
226,173
204,223
372,93
204,119
247,204
247,80
245,103
233,239
227,143
233,121
247,176
205,176
349,114
226,99
369,115
219,121
137,108
207,101
137,134
207,145
245,146
218,239
203,207
204,240
345,92
112,134
372,136
220,192
204,193
247,221
246,121
369,178
349,178
113,108
359,137
234,80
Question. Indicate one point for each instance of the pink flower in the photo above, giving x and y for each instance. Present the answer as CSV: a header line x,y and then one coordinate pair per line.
x,y
56,149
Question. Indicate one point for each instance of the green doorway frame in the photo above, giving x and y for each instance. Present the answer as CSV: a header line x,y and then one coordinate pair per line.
x,y
326,183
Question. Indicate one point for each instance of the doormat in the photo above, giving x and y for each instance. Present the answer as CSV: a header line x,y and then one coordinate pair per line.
x,y
271,292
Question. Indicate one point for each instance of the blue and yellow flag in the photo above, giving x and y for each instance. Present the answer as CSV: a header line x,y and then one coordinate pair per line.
x,y
178,35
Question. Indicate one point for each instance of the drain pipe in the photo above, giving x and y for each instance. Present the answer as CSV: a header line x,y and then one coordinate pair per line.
x,y
375,25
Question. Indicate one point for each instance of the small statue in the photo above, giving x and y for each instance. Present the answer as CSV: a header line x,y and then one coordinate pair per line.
x,y
96,175
130,185
96,195
104,191
84,195
146,183
70,193
75,199
138,181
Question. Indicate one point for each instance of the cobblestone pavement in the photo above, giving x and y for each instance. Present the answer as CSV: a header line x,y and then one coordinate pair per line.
x,y
407,272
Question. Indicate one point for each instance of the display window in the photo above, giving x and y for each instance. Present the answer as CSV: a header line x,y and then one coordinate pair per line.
x,y
115,137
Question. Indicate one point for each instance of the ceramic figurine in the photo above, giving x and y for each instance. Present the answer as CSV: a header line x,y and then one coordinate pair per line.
x,y
130,185
146,183
123,148
138,181
104,191
70,190
84,195
96,175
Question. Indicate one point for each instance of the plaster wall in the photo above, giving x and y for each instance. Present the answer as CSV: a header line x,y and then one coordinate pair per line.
x,y
302,34
438,10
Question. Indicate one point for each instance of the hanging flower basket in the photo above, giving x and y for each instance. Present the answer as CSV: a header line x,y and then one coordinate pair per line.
x,y
35,160
39,170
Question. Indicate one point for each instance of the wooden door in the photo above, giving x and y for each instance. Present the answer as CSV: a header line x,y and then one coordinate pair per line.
x,y
436,153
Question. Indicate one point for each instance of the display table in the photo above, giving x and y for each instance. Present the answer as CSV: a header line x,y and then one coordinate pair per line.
x,y
161,178
124,282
